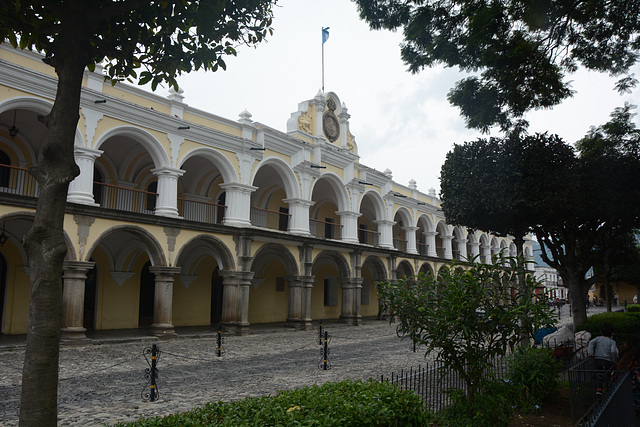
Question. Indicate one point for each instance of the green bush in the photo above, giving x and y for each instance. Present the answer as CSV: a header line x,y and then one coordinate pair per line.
x,y
633,308
493,407
625,324
534,374
347,403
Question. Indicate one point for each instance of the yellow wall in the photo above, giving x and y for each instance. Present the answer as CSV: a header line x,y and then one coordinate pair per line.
x,y
192,306
17,292
318,309
370,309
267,305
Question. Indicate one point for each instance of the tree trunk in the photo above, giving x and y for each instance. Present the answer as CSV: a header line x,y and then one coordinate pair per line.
x,y
46,248
578,300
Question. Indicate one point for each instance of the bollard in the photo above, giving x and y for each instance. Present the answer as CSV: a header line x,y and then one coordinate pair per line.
x,y
153,392
219,349
151,374
320,334
325,353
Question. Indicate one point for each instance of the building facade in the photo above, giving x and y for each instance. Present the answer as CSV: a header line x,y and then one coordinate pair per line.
x,y
183,218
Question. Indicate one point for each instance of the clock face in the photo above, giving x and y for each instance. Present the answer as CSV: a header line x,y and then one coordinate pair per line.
x,y
331,126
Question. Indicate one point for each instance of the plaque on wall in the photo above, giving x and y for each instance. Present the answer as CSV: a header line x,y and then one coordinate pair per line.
x,y
330,123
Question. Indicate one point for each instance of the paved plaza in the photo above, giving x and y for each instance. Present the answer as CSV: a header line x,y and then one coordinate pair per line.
x,y
101,380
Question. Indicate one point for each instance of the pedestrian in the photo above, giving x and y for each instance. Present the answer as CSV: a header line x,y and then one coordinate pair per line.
x,y
595,301
635,299
615,298
605,352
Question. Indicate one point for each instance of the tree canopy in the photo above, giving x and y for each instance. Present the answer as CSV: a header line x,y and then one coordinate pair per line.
x,y
573,201
148,41
518,51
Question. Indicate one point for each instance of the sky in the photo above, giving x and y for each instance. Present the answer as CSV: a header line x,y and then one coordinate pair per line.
x,y
400,121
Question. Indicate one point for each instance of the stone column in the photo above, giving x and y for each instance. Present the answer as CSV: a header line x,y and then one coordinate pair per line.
x,y
410,234
235,300
238,201
167,204
81,188
294,315
349,222
486,254
351,294
431,243
299,221
385,228
74,274
446,245
475,251
163,300
462,249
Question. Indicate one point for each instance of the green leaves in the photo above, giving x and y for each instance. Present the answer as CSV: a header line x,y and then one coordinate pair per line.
x,y
518,50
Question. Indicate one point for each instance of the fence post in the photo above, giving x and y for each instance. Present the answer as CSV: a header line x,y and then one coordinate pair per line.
x,y
219,350
320,334
151,373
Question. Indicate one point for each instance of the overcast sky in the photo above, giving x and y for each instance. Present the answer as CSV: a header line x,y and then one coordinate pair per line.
x,y
400,121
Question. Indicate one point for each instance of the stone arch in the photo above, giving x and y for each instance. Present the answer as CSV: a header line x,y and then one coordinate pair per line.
x,y
404,269
336,184
284,171
274,252
377,204
141,239
223,164
375,264
204,245
426,268
153,147
22,223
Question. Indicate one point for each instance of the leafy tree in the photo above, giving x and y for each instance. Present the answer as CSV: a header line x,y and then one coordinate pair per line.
x,y
521,49
501,185
162,38
467,315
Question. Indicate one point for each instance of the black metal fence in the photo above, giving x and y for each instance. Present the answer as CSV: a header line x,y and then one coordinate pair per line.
x,y
613,408
432,382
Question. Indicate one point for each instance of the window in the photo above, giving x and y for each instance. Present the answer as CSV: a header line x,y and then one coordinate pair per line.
x,y
362,233
331,292
5,172
279,284
152,196
364,296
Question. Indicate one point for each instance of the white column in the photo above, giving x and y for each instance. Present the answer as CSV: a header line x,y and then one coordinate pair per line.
x,y
446,244
385,228
431,243
167,204
475,251
81,188
349,222
299,221
410,234
486,254
238,201
462,248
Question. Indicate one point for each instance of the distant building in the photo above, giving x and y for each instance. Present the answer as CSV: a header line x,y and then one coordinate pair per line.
x,y
548,276
180,217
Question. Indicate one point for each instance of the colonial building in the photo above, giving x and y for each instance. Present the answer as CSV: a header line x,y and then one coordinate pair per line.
x,y
180,217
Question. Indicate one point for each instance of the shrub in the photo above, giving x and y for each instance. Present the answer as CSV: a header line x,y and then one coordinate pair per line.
x,y
491,408
625,324
534,374
633,308
347,403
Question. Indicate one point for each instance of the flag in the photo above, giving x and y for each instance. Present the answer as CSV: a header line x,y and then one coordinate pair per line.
x,y
325,34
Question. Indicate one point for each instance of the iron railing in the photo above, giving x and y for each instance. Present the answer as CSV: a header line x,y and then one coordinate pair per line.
x,y
194,210
326,229
125,199
613,407
15,180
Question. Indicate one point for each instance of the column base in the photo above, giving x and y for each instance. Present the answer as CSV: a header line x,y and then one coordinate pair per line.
x,y
163,330
236,328
351,320
73,333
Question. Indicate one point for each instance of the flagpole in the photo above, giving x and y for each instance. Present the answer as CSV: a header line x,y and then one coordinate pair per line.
x,y
325,37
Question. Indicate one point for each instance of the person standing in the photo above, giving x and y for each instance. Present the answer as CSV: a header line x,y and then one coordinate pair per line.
x,y
605,352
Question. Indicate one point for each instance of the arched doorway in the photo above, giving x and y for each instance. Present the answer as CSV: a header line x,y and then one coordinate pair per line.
x,y
217,288
147,292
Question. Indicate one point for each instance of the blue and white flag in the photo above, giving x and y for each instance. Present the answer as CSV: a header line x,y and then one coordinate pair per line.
x,y
325,34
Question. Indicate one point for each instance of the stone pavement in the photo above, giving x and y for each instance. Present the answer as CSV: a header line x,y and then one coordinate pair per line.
x,y
101,381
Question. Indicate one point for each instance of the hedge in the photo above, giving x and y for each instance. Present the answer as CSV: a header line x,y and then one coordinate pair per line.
x,y
625,324
347,403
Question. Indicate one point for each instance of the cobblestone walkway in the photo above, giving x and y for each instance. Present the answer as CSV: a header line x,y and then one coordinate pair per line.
x,y
101,381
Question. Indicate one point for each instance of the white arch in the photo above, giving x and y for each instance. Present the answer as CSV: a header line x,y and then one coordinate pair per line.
x,y
377,202
223,164
149,142
291,187
337,185
443,229
426,220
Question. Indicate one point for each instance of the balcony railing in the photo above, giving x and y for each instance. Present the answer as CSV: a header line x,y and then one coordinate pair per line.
x,y
400,244
194,210
125,199
17,180
326,229
266,218
368,237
